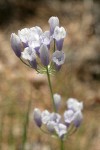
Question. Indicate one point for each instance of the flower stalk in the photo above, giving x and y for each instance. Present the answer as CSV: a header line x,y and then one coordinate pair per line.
x,y
51,91
61,144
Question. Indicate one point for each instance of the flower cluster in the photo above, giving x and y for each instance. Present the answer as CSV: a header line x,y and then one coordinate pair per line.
x,y
32,45
55,124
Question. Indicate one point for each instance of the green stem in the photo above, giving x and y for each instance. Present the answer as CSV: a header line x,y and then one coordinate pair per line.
x,y
26,124
51,92
61,145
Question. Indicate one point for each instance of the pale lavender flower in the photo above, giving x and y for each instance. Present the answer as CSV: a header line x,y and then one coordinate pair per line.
x,y
30,55
30,36
73,117
35,45
34,40
53,21
68,116
59,35
45,116
57,100
36,30
73,104
58,58
60,129
55,117
24,35
50,126
46,39
44,54
16,44
37,117
77,119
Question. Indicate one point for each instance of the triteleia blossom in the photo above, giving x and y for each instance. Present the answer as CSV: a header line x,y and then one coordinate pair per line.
x,y
55,117
59,35
74,104
30,55
58,58
24,35
68,117
45,116
16,44
78,117
37,117
73,114
53,21
57,100
44,54
46,39
60,129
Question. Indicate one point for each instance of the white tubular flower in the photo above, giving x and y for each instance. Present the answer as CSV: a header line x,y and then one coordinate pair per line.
x,y
68,117
45,116
58,57
37,30
50,126
77,119
34,44
24,35
28,54
45,38
53,21
60,129
55,117
59,35
57,100
74,104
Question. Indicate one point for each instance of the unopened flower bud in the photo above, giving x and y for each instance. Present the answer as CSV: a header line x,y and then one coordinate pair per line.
x,y
57,100
37,117
16,44
53,21
44,55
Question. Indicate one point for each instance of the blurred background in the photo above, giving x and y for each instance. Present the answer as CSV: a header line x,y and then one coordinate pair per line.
x,y
79,77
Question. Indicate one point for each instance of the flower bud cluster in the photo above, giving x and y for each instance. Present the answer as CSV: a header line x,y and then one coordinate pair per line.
x,y
32,45
60,125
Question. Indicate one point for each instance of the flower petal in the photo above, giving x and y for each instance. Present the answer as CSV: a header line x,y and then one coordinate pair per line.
x,y
53,21
16,44
37,117
44,55
58,57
